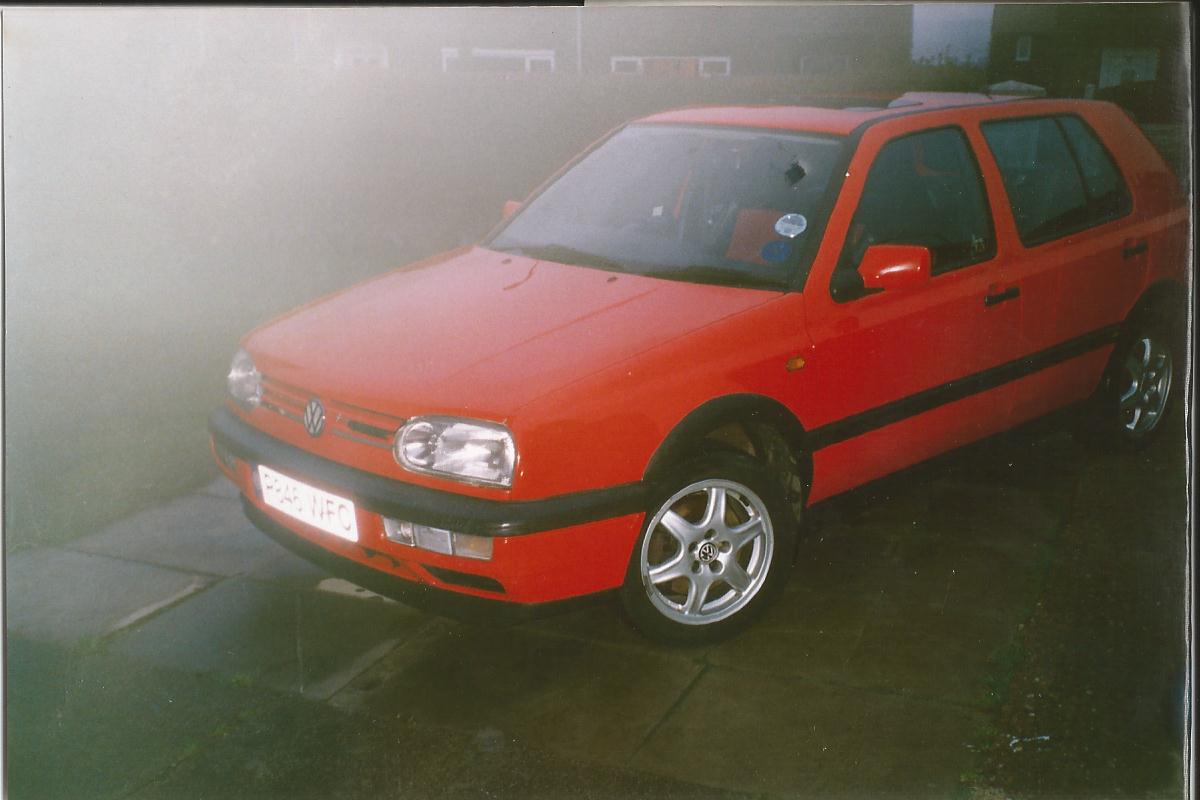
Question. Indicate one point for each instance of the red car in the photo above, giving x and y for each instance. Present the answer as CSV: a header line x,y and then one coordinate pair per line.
x,y
707,322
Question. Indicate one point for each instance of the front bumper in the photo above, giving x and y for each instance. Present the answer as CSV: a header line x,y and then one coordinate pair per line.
x,y
543,551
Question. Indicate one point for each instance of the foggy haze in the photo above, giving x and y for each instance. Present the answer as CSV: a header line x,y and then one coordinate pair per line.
x,y
177,176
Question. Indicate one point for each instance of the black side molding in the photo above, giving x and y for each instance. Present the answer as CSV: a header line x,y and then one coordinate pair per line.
x,y
905,407
419,504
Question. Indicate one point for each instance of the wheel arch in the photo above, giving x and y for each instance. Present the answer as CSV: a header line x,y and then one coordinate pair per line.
x,y
1163,306
754,424
1166,299
1169,302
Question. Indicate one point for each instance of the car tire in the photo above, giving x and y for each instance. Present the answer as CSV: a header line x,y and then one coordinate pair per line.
x,y
697,575
1138,392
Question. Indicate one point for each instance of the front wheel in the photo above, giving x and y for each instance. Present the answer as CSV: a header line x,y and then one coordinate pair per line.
x,y
716,547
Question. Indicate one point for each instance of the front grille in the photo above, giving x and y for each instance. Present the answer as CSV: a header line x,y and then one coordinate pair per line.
x,y
341,419
370,430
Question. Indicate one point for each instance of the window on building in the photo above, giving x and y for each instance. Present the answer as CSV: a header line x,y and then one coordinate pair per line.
x,y
1120,65
670,65
684,66
479,59
1024,47
824,64
714,67
352,56
626,65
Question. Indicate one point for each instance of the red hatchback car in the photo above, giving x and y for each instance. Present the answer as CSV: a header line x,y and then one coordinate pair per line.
x,y
709,321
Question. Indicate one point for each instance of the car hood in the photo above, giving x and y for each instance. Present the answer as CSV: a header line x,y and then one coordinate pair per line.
x,y
480,332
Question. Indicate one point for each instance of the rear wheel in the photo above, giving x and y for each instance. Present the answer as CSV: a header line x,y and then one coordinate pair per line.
x,y
715,549
1142,379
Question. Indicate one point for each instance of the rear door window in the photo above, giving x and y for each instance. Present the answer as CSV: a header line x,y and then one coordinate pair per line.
x,y
1058,177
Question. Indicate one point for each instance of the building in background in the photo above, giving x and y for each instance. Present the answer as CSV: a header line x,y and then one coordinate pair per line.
x,y
812,41
1133,53
697,41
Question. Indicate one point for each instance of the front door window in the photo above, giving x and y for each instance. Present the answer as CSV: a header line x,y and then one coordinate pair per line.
x,y
923,189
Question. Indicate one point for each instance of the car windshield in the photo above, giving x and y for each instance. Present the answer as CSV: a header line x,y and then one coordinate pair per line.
x,y
710,205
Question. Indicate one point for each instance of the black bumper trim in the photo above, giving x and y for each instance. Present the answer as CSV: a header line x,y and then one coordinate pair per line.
x,y
470,608
422,505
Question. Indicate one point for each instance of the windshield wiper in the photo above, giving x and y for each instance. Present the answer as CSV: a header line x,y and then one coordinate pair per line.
x,y
565,255
728,276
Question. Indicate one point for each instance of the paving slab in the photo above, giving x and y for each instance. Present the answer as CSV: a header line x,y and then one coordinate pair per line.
x,y
554,693
972,551
885,600
301,641
207,532
604,621
67,597
871,644
1095,707
1040,457
221,487
958,571
941,657
93,725
755,733
285,568
197,532
303,750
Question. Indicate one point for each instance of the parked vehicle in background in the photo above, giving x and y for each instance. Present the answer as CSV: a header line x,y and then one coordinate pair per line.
x,y
712,319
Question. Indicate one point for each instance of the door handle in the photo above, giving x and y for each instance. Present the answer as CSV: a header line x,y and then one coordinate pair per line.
x,y
1134,247
1011,293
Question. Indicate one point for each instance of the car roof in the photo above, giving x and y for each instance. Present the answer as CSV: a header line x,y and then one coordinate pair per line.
x,y
839,121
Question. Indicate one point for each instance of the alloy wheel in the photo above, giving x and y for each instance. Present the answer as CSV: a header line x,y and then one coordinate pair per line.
x,y
1145,385
707,552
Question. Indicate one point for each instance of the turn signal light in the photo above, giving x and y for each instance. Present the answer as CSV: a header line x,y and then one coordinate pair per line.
x,y
437,540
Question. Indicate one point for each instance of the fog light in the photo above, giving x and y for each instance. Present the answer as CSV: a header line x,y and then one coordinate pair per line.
x,y
437,540
399,531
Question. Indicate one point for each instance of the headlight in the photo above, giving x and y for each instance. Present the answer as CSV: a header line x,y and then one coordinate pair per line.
x,y
477,452
245,384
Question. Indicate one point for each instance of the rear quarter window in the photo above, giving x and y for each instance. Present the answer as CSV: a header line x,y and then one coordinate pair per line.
x,y
1105,187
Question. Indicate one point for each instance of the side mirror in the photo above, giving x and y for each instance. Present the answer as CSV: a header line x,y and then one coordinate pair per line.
x,y
891,267
509,208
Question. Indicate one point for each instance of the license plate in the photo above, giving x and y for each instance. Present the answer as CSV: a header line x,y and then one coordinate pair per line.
x,y
308,504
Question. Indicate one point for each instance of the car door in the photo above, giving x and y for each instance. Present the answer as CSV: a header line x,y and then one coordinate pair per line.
x,y
1076,258
898,376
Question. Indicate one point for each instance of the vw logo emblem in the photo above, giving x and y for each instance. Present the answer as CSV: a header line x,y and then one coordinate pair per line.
x,y
707,552
314,417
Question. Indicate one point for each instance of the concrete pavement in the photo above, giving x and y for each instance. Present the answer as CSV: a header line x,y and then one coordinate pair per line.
x,y
180,653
